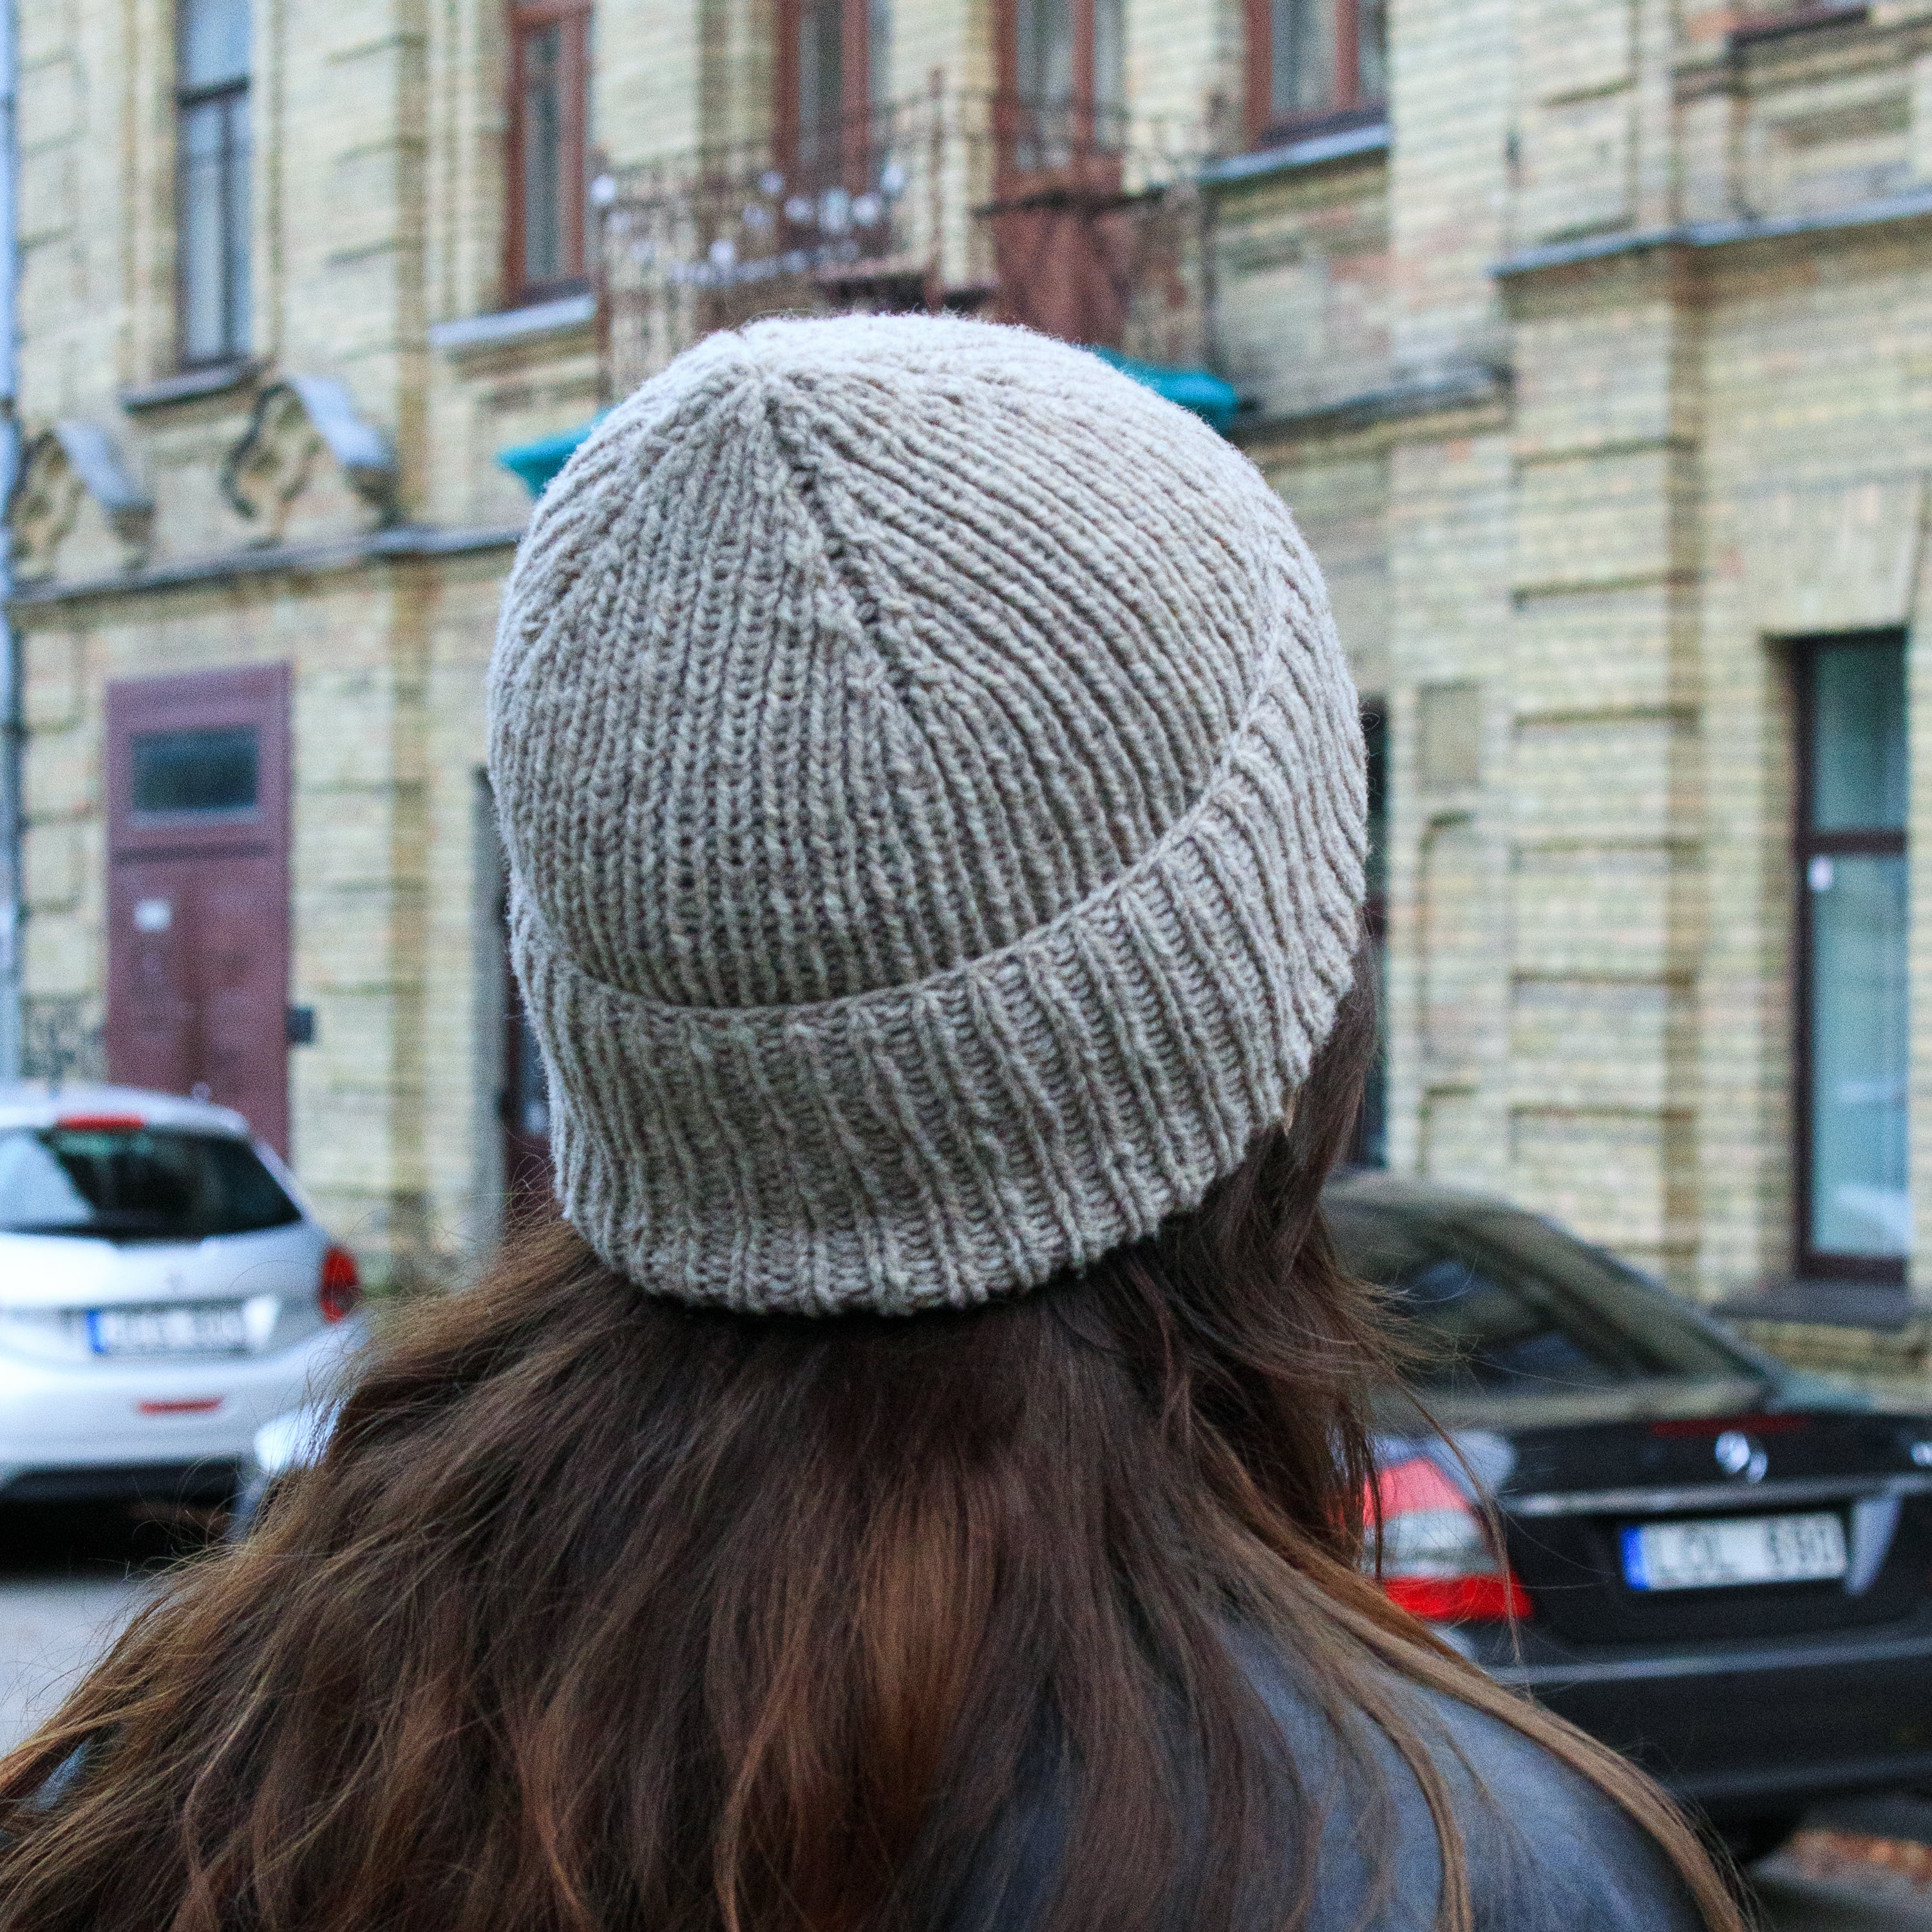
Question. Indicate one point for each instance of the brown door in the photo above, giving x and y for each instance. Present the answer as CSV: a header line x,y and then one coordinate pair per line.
x,y
198,889
1061,248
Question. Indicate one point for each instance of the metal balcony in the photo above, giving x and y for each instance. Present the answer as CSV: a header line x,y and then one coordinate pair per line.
x,y
1079,221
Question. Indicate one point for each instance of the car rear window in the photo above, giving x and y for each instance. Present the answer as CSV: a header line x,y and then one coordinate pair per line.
x,y
135,1183
1496,1302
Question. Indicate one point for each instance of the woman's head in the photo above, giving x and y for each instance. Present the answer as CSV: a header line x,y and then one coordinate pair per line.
x,y
935,804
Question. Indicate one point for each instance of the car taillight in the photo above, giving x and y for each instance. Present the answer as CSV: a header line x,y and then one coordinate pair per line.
x,y
341,1291
100,1123
1438,1562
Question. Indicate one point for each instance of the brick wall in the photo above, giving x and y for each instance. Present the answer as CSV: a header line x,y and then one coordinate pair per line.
x,y
1609,369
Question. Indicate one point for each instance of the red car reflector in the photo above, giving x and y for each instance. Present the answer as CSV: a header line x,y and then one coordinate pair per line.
x,y
101,1124
200,1405
1414,1485
339,1293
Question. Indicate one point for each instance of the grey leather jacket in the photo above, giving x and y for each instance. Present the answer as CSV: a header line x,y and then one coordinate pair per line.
x,y
1546,1851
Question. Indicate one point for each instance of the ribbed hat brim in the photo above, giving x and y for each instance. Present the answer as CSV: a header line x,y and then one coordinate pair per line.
x,y
937,1145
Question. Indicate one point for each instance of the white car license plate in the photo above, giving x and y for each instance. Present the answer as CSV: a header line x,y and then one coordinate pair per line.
x,y
192,1328
1707,1556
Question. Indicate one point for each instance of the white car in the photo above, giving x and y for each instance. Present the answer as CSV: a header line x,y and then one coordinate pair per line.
x,y
164,1291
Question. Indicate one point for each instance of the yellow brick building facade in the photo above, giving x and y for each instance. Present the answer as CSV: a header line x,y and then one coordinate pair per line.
x,y
1590,340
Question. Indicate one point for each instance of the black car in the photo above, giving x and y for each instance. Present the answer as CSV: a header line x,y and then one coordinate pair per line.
x,y
1719,1565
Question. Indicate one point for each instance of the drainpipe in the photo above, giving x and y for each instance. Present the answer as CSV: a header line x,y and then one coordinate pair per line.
x,y
13,667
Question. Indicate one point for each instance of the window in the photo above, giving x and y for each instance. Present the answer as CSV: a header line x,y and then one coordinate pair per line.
x,y
1312,63
211,180
1062,254
205,772
1069,52
834,68
549,72
1066,73
1854,1210
1496,1302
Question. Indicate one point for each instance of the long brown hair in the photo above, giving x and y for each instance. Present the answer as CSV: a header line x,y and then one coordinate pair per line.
x,y
602,1613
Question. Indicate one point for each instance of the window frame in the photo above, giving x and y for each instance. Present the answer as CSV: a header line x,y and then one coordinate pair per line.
x,y
1351,108
1814,1263
237,250
856,81
526,19
1094,123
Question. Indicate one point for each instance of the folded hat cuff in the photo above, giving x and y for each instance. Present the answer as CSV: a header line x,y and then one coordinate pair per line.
x,y
937,1145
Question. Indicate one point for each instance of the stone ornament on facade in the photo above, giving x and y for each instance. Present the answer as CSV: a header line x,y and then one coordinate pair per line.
x,y
294,422
63,1040
60,468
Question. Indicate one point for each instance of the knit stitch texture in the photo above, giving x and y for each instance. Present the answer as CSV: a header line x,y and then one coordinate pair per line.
x,y
933,794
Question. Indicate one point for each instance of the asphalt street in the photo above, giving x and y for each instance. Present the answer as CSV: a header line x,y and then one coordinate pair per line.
x,y
68,1578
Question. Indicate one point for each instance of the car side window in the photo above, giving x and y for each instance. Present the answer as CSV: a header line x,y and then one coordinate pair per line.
x,y
1497,1302
1479,1330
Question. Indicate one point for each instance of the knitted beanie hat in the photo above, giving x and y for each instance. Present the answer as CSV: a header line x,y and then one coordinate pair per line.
x,y
934,801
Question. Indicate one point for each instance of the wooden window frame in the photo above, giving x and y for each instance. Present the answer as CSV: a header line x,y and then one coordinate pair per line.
x,y
1084,108
1084,102
1350,107
225,94
1806,844
526,18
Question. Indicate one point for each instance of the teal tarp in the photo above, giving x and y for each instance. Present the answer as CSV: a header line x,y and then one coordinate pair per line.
x,y
534,464
1211,399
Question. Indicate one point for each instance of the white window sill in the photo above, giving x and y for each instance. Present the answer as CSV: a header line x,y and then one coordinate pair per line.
x,y
470,334
1316,151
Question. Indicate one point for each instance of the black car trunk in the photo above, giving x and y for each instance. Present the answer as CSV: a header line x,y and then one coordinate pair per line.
x,y
1618,1429
1575,1491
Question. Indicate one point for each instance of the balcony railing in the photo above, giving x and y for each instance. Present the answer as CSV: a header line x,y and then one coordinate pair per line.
x,y
1078,221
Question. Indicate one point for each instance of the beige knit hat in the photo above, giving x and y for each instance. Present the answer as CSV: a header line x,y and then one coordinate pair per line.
x,y
934,799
